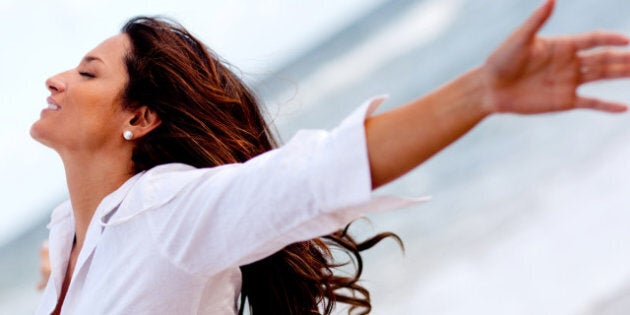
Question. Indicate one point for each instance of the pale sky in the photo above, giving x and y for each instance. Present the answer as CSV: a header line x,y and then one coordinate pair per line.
x,y
41,38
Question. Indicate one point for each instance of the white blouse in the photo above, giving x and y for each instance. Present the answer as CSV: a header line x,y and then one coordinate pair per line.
x,y
171,239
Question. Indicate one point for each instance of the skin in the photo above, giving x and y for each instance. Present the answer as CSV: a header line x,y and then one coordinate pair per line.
x,y
87,130
526,74
44,265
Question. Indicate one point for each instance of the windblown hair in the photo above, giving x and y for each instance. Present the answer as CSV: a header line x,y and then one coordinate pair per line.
x,y
209,117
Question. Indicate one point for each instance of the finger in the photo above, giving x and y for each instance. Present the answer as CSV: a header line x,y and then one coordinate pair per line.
x,y
43,250
600,105
42,284
604,65
599,39
534,23
44,265
607,57
512,50
609,72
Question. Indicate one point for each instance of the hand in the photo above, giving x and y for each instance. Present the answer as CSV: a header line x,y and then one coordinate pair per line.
x,y
44,266
528,74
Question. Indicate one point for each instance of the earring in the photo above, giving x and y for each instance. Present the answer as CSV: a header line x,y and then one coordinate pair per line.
x,y
128,135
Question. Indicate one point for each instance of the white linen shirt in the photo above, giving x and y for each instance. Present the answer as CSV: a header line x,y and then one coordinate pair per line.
x,y
171,239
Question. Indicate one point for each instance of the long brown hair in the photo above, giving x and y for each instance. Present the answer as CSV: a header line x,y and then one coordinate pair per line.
x,y
209,118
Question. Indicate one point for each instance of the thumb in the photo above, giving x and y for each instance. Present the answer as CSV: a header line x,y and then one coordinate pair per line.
x,y
534,23
511,51
511,54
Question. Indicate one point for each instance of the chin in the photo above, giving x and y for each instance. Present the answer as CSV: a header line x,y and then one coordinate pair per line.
x,y
38,134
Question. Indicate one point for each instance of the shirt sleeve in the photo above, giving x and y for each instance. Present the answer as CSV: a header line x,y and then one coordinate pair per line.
x,y
236,214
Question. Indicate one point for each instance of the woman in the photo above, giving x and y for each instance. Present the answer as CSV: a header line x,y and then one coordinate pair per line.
x,y
170,191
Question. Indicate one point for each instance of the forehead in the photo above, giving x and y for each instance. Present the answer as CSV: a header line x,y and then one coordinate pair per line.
x,y
111,51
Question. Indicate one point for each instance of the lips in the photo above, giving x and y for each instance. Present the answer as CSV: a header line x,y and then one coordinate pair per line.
x,y
52,105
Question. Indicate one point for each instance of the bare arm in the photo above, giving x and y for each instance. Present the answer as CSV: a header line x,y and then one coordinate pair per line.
x,y
527,74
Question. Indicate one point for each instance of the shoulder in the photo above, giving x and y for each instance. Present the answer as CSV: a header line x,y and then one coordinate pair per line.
x,y
172,173
171,179
158,187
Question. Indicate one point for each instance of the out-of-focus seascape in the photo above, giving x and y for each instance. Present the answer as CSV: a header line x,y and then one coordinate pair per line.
x,y
529,215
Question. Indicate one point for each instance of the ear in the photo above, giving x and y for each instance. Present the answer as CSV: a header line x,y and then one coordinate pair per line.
x,y
141,121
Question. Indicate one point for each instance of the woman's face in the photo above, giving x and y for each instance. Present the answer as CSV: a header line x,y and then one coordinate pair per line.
x,y
84,112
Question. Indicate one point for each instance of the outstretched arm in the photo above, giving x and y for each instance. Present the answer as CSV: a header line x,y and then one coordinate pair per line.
x,y
526,74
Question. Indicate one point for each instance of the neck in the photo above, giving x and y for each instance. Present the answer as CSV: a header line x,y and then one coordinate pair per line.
x,y
89,181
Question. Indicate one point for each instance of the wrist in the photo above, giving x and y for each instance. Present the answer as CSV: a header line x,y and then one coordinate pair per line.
x,y
475,85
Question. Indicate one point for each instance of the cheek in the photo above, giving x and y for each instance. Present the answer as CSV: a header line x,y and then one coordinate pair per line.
x,y
101,122
91,116
97,107
86,123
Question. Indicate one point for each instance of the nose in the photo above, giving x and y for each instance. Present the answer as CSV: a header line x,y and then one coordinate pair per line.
x,y
55,84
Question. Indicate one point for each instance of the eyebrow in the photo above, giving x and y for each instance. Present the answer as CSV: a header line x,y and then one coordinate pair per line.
x,y
89,59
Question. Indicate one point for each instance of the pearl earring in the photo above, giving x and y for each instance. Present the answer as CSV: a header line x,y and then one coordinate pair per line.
x,y
128,135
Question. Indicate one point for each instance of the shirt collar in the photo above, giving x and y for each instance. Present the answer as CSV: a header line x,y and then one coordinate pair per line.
x,y
107,206
111,202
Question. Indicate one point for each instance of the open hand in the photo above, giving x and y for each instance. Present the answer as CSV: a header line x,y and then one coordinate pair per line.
x,y
530,74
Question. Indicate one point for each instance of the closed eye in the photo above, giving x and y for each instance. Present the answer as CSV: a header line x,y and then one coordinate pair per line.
x,y
87,74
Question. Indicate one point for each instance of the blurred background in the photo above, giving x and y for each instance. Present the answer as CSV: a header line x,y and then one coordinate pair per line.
x,y
530,215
